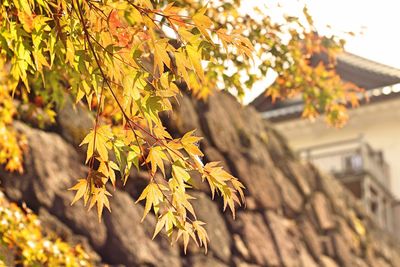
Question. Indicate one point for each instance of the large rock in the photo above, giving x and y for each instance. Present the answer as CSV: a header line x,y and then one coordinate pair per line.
x,y
277,144
212,154
222,131
306,259
241,247
360,263
296,215
342,250
334,191
220,238
205,261
328,262
256,177
128,242
75,121
184,118
292,199
281,229
258,239
302,177
323,211
350,237
311,238
80,220
52,166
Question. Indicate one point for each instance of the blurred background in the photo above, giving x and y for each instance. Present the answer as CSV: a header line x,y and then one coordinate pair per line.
x,y
364,155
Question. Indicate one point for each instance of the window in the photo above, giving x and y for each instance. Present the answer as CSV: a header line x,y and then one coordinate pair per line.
x,y
353,163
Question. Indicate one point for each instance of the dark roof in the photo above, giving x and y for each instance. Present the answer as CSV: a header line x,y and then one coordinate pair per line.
x,y
364,73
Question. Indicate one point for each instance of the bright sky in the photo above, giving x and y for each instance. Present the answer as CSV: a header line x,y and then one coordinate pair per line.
x,y
379,22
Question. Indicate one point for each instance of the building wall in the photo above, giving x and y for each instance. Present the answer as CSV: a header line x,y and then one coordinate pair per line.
x,y
396,217
378,123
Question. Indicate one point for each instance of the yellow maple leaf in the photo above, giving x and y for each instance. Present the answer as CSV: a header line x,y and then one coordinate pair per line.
x,y
202,22
153,196
155,158
98,140
81,188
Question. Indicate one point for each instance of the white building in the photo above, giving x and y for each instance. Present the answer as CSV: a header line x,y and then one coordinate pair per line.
x,y
365,154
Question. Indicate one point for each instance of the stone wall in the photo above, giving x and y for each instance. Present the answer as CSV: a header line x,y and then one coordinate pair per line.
x,y
295,215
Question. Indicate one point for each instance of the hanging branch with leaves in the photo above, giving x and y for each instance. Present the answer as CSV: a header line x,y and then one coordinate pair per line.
x,y
127,60
116,53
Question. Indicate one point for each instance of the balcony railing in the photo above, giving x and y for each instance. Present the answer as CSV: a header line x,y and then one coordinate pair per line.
x,y
349,157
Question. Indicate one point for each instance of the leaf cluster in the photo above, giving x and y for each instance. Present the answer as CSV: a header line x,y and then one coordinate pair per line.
x,y
21,232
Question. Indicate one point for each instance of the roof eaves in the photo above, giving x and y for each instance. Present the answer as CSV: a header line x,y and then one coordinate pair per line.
x,y
363,63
